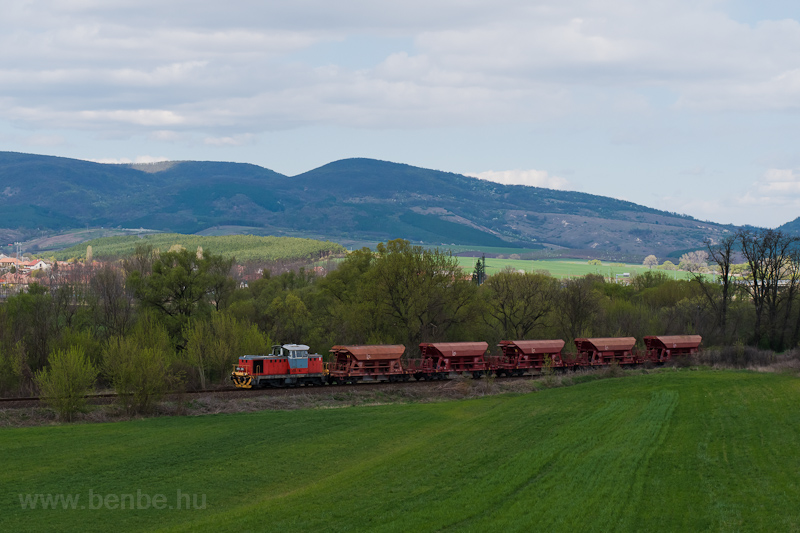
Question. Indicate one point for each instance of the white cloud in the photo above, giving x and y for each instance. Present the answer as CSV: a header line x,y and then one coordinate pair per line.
x,y
151,64
771,201
533,178
236,140
779,181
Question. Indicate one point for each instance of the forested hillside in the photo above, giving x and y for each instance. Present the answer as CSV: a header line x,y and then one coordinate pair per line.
x,y
357,200
241,247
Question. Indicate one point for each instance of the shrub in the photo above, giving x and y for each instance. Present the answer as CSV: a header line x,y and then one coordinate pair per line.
x,y
214,345
736,356
139,366
13,370
141,376
66,381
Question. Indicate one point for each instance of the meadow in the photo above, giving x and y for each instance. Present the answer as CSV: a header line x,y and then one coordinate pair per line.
x,y
679,450
563,268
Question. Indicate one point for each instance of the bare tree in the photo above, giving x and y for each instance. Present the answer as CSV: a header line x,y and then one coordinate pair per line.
x,y
768,254
577,303
723,255
112,302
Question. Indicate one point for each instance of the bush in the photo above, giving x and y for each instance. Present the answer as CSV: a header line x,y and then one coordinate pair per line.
x,y
737,356
214,345
13,369
139,366
65,383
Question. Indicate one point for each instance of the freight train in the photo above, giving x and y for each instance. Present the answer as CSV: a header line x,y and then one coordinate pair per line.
x,y
291,365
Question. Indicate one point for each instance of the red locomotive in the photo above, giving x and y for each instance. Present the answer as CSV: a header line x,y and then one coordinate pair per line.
x,y
292,365
287,365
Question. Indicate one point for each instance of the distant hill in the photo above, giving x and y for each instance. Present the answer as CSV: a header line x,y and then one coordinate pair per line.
x,y
353,199
792,227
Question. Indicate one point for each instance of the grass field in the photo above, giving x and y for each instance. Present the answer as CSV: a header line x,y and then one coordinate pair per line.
x,y
561,268
673,451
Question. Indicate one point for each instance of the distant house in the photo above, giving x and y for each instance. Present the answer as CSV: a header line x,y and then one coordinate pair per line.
x,y
11,284
34,264
8,262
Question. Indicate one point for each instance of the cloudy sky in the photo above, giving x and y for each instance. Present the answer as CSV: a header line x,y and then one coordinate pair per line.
x,y
684,105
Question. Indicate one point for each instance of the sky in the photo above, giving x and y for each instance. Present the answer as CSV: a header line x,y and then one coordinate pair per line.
x,y
689,106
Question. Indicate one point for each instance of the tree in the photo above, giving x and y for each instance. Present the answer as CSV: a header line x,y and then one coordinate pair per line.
x,y
650,261
721,254
89,255
768,253
479,274
577,303
182,286
66,381
693,261
214,345
344,306
668,265
141,261
111,301
519,303
420,294
289,317
139,366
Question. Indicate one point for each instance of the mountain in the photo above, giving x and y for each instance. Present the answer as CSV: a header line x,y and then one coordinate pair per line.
x,y
792,227
351,199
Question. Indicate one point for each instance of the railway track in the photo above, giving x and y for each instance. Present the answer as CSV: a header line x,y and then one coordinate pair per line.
x,y
231,392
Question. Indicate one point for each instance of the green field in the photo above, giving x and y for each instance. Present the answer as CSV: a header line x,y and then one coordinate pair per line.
x,y
561,268
672,451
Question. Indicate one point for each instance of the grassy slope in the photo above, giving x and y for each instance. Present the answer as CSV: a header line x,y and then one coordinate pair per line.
x,y
674,451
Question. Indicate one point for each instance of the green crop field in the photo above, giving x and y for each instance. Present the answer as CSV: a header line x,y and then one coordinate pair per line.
x,y
560,268
672,451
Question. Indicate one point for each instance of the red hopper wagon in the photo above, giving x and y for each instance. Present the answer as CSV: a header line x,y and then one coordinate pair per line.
x,y
606,350
440,358
521,356
368,363
661,348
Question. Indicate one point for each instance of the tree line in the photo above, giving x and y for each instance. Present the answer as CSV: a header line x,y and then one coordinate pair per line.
x,y
163,321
